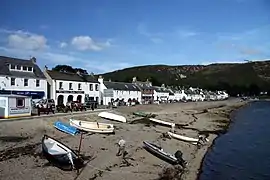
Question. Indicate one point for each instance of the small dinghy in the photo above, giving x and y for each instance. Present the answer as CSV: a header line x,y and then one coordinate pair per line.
x,y
94,127
184,138
188,139
162,122
158,152
111,116
65,128
59,154
143,114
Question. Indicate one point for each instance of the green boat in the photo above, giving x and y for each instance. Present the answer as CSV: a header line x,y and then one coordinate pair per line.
x,y
143,114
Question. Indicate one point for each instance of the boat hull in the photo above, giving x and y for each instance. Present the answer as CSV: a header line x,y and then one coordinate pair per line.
x,y
162,122
61,161
142,114
157,151
66,128
183,138
111,116
92,126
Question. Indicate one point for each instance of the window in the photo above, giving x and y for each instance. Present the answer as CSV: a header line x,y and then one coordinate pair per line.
x,y
25,82
96,87
12,66
20,102
37,83
19,67
91,87
70,86
60,85
24,68
30,69
12,82
79,86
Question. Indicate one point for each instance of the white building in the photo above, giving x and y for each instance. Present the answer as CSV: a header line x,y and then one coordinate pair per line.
x,y
114,91
66,87
179,95
22,77
161,93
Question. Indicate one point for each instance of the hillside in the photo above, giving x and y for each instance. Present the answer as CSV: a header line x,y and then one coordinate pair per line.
x,y
250,77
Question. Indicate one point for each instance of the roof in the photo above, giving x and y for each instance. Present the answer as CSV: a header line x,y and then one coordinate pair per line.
x,y
121,86
144,85
161,89
71,76
4,69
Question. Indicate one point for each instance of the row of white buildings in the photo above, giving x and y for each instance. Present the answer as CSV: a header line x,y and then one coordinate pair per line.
x,y
24,77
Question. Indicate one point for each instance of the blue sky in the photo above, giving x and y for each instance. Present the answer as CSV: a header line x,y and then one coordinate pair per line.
x,y
106,35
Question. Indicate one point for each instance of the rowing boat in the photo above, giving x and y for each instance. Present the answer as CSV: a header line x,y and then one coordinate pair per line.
x,y
160,153
94,127
112,116
59,154
162,122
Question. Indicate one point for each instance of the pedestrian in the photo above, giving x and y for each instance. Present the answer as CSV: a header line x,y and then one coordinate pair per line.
x,y
121,150
92,106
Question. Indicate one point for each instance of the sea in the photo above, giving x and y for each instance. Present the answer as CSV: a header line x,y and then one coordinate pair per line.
x,y
243,153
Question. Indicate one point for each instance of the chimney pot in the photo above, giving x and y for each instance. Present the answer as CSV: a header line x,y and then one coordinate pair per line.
x,y
33,60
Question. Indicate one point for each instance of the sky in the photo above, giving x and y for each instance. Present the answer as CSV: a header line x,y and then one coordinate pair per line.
x,y
106,35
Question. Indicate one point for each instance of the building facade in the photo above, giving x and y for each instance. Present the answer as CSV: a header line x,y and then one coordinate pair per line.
x,y
66,87
147,91
118,91
22,77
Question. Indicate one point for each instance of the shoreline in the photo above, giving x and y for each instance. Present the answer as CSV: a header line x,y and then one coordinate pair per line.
x,y
231,115
192,118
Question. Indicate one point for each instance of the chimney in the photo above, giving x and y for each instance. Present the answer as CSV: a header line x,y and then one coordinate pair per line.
x,y
45,68
33,60
134,79
148,82
100,79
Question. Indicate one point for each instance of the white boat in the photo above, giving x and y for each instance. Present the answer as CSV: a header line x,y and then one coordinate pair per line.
x,y
162,122
184,138
94,127
60,154
112,116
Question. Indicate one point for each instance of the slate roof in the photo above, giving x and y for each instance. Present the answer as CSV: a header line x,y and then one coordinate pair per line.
x,y
71,76
161,89
143,85
121,86
4,69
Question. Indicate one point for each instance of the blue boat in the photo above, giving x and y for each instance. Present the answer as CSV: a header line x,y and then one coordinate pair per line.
x,y
66,128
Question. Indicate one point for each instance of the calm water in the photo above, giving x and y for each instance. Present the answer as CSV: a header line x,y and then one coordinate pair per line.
x,y
243,153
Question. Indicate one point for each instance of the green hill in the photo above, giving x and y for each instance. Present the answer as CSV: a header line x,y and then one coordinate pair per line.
x,y
248,78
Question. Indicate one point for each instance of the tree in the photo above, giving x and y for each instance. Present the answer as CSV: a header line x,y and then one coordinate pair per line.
x,y
154,81
69,69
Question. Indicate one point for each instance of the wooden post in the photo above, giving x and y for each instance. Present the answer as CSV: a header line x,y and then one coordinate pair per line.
x,y
80,144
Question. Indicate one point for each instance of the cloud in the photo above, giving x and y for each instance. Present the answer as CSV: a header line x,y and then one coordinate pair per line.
x,y
44,27
250,51
154,37
63,45
156,40
84,43
23,44
185,33
24,40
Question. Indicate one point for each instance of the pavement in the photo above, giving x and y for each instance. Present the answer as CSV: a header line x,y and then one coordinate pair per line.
x,y
76,113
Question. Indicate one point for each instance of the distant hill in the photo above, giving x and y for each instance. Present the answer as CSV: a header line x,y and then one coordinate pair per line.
x,y
249,78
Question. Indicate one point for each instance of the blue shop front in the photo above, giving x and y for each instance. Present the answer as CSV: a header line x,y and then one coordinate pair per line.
x,y
33,94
